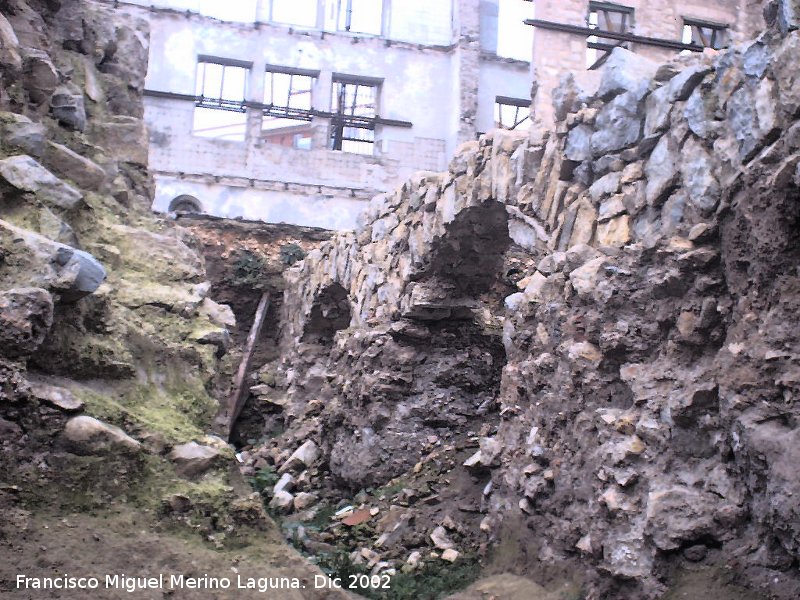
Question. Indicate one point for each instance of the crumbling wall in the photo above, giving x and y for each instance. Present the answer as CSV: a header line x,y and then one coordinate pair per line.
x,y
645,417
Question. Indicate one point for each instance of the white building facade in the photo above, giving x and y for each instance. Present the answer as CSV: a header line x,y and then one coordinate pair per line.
x,y
300,111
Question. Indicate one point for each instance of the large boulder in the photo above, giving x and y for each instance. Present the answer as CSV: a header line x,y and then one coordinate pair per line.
x,y
26,315
41,262
87,436
193,459
625,71
40,75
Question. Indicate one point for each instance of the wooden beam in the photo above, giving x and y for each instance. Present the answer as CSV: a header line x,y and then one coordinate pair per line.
x,y
626,37
306,114
238,397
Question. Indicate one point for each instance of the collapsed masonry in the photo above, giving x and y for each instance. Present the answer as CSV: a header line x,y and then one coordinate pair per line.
x,y
584,340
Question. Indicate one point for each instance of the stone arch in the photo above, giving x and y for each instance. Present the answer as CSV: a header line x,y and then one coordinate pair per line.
x,y
461,265
330,312
185,203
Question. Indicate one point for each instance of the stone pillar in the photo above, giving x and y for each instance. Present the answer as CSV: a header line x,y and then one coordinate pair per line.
x,y
263,11
255,93
321,100
468,52
321,7
386,18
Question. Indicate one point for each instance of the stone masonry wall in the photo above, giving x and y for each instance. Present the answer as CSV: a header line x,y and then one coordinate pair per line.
x,y
645,417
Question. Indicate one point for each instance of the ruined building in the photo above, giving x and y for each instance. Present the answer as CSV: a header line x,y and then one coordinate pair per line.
x,y
567,364
302,111
577,36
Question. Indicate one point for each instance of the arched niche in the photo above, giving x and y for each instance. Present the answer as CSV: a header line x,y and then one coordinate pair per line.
x,y
330,312
185,203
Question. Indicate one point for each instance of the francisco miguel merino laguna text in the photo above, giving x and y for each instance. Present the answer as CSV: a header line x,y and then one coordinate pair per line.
x,y
158,582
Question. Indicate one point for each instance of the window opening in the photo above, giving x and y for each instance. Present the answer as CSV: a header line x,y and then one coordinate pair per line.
x,y
295,12
287,107
604,16
220,92
514,38
705,34
353,121
512,113
360,16
241,11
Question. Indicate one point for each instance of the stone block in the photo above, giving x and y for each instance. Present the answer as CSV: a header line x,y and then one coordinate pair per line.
x,y
59,268
615,232
578,145
85,436
18,132
39,75
697,174
684,83
624,72
26,315
618,125
27,175
125,138
193,459
9,46
661,170
84,172
67,107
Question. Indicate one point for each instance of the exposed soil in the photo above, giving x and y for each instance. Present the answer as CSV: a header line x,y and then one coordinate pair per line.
x,y
119,541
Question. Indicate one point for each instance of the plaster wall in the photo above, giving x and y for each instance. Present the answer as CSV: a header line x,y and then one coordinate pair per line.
x,y
173,148
273,202
494,75
428,61
415,21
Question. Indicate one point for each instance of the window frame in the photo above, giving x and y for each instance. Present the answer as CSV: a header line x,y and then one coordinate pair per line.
x,y
716,28
344,18
287,111
341,120
518,104
627,13
218,102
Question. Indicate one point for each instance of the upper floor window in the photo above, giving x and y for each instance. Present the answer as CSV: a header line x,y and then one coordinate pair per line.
x,y
514,38
512,113
287,106
242,11
355,108
294,12
221,83
705,34
605,16
357,16
220,91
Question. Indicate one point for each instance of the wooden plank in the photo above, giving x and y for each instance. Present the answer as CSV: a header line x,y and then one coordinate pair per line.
x,y
238,397
626,37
